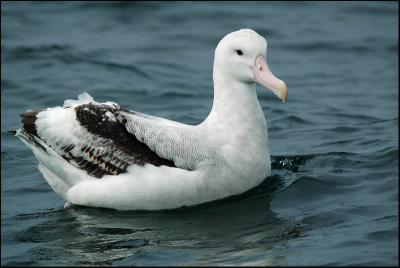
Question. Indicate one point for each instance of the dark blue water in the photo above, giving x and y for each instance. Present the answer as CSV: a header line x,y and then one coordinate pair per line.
x,y
332,198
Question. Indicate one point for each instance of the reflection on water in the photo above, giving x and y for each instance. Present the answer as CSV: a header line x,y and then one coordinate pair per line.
x,y
101,236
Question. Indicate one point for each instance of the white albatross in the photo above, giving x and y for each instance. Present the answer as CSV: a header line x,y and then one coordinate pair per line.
x,y
100,155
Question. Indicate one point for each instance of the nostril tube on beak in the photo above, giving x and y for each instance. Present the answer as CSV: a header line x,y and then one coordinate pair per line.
x,y
266,78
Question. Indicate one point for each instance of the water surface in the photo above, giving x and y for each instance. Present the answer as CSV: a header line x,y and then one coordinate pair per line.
x,y
332,198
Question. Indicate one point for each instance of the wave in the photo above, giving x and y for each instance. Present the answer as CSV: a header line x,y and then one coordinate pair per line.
x,y
332,46
68,55
377,10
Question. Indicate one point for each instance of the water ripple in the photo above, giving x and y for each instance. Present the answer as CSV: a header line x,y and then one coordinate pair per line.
x,y
68,55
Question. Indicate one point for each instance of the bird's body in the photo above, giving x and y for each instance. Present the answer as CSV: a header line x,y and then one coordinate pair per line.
x,y
97,154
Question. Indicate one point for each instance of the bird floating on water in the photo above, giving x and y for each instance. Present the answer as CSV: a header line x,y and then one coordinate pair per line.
x,y
101,155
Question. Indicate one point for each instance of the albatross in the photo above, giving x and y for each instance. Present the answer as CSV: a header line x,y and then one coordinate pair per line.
x,y
101,155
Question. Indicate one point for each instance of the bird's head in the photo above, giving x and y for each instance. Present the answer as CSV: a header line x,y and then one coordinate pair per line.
x,y
241,55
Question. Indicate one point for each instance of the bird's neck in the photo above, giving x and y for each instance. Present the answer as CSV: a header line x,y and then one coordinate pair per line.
x,y
234,101
237,125
236,119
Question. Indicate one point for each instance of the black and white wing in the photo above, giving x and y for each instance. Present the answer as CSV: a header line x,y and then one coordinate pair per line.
x,y
89,137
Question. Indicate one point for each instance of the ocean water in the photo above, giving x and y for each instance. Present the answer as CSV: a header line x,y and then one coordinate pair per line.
x,y
332,198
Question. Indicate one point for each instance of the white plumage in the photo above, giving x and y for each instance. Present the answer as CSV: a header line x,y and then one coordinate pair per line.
x,y
227,154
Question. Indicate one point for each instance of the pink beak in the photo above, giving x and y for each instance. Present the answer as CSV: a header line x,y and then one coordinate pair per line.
x,y
267,79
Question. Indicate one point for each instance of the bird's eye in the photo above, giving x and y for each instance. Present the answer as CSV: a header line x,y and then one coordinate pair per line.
x,y
239,52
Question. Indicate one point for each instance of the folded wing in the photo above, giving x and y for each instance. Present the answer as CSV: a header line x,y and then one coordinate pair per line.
x,y
89,137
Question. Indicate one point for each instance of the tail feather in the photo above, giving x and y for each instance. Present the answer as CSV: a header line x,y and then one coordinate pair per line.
x,y
28,120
